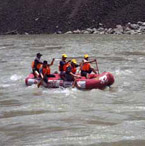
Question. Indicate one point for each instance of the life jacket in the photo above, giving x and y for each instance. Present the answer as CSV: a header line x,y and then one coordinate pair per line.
x,y
66,66
38,65
46,71
73,69
86,67
63,67
32,64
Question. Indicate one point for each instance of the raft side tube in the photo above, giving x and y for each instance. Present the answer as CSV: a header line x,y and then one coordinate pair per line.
x,y
30,82
99,82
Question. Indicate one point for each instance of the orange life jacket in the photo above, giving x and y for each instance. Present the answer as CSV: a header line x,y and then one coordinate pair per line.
x,y
38,65
32,64
86,67
46,71
73,69
66,66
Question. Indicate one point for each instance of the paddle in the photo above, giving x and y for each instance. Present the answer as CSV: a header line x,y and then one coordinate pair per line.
x,y
40,83
97,66
75,57
42,78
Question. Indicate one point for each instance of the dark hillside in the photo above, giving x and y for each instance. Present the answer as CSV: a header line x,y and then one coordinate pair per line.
x,y
49,16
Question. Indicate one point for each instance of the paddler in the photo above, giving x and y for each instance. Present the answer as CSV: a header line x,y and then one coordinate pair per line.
x,y
85,66
74,66
63,64
70,72
36,65
45,72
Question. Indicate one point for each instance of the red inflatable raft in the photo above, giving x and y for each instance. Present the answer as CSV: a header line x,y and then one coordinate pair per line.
x,y
95,81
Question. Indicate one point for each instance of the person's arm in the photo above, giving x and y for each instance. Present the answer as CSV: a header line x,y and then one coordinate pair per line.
x,y
36,73
74,75
92,61
68,61
52,62
41,74
69,71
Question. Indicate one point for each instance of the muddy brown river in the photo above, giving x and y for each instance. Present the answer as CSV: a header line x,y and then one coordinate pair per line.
x,y
70,117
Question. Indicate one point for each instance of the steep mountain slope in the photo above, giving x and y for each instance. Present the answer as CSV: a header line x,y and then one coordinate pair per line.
x,y
49,16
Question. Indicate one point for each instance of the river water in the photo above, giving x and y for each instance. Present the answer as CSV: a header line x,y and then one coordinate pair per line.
x,y
50,117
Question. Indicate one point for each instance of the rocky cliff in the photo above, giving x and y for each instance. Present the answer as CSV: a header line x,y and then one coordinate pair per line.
x,y
49,16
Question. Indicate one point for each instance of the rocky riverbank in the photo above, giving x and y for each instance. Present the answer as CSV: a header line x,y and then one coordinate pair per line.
x,y
138,28
130,29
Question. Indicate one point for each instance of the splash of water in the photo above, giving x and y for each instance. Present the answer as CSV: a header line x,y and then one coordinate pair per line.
x,y
15,77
